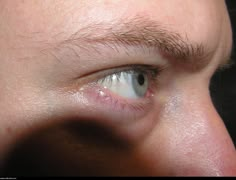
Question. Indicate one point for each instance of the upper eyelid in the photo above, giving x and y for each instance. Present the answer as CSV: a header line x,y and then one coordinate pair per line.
x,y
102,73
150,70
124,73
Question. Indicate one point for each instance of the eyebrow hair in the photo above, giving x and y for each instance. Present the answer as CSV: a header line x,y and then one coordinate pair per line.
x,y
145,33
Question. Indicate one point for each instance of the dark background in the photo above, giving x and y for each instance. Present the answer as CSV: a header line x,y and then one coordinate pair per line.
x,y
223,83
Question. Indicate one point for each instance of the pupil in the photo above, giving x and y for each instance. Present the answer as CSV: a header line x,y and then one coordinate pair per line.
x,y
141,79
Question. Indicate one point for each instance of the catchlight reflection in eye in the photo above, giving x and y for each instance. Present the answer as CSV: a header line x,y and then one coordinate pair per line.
x,y
127,84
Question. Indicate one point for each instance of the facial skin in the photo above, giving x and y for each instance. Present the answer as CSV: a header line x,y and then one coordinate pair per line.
x,y
53,52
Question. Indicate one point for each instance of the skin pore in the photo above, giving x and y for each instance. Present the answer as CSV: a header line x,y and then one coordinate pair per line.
x,y
53,53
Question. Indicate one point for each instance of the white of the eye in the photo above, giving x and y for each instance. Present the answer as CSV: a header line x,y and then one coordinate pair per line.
x,y
124,85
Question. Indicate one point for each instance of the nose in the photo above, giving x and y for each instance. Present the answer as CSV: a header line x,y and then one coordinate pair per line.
x,y
196,141
204,144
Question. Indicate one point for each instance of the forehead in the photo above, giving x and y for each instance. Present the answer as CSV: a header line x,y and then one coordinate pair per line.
x,y
49,21
50,16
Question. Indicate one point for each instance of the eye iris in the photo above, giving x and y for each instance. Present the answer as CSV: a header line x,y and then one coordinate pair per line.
x,y
140,84
128,84
141,79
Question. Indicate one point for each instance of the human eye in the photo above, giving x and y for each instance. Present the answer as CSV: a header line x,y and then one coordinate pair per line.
x,y
133,83
127,92
121,99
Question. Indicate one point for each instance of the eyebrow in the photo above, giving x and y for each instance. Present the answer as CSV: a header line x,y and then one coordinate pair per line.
x,y
145,33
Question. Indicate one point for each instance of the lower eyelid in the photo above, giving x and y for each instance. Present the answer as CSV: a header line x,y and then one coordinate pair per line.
x,y
128,108
130,120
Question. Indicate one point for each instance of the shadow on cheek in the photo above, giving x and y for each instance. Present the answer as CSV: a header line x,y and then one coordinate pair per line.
x,y
71,149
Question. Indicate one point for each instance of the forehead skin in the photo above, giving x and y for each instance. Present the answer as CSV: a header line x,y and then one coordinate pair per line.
x,y
51,21
29,27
